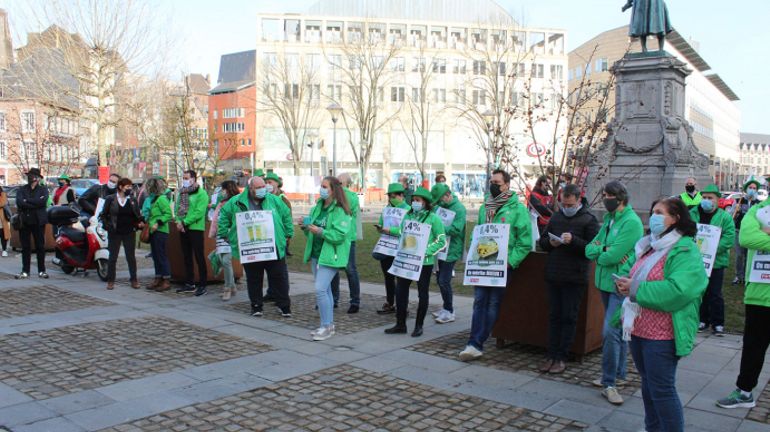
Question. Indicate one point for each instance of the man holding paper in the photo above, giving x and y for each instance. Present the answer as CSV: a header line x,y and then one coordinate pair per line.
x,y
452,213
387,245
502,206
712,308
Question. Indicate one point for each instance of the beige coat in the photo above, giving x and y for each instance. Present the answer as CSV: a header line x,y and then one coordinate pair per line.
x,y
5,224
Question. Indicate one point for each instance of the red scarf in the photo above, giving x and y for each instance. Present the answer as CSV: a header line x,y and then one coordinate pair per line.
x,y
57,194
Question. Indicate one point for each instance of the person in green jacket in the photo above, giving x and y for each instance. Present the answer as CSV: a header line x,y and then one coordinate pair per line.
x,y
327,248
611,248
274,183
712,309
191,206
395,199
691,196
455,231
156,210
421,213
662,283
354,285
256,198
501,206
755,237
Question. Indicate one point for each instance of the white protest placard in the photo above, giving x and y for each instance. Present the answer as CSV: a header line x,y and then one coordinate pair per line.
x,y
708,241
487,262
759,271
256,236
411,251
447,217
388,244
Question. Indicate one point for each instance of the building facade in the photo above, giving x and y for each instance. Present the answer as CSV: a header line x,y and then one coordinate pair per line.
x,y
755,156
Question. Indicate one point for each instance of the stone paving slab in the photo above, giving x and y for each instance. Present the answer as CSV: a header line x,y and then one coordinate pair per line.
x,y
42,299
517,357
348,398
761,413
52,363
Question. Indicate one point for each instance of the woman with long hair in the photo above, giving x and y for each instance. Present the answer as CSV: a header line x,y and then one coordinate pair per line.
x,y
158,215
121,216
229,189
327,247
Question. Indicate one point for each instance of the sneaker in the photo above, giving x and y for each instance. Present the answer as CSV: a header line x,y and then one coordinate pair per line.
x,y
42,275
285,312
21,275
470,353
736,281
618,382
445,317
736,399
436,313
256,311
324,333
719,331
201,290
5,253
226,294
55,261
701,327
612,396
186,289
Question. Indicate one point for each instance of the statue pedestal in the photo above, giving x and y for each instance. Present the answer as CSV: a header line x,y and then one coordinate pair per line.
x,y
649,145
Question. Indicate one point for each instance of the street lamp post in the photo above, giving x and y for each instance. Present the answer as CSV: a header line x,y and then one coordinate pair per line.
x,y
335,111
489,120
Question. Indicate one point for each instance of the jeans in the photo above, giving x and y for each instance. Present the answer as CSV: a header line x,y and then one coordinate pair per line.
x,y
614,348
756,339
656,362
445,283
740,258
323,291
402,296
276,277
712,308
38,232
390,281
159,258
227,268
129,248
353,282
486,306
192,244
563,306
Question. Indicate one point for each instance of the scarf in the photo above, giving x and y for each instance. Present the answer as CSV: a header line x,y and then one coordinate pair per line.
x,y
184,199
58,193
659,248
493,204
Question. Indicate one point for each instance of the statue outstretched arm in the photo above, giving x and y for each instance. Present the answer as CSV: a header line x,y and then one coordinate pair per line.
x,y
629,4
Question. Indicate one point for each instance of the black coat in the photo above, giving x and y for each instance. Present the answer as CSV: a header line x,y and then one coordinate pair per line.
x,y
32,205
568,263
90,197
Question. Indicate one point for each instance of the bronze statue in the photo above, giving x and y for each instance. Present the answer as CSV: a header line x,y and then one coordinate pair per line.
x,y
648,17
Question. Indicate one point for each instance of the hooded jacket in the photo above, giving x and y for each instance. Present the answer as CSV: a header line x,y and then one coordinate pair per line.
x,y
614,245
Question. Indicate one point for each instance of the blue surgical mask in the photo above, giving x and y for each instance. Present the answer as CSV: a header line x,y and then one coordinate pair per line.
x,y
570,211
752,193
657,224
417,206
260,193
324,193
707,205
269,188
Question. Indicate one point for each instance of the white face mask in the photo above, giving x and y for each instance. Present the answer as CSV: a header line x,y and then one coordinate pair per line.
x,y
269,188
186,183
112,185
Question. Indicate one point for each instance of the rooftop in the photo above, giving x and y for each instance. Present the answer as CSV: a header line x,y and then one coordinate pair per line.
x,y
236,71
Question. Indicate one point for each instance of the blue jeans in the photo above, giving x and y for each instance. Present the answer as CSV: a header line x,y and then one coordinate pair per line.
x,y
614,349
227,267
656,362
323,291
445,283
486,306
159,258
353,282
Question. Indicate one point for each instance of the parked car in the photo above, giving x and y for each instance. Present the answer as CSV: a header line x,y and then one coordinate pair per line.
x,y
81,185
728,200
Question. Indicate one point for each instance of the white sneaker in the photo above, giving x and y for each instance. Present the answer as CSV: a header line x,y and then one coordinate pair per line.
x,y
445,317
612,396
437,313
470,353
5,253
324,333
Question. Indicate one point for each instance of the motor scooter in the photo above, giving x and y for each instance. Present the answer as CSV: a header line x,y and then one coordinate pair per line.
x,y
78,249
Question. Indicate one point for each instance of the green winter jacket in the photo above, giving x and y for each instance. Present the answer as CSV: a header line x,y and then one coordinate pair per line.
x,y
195,219
516,215
160,213
456,230
724,221
437,239
753,238
680,291
226,228
336,235
355,213
613,245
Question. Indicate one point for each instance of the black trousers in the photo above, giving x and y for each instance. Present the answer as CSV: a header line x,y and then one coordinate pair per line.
x,y
563,307
3,241
277,277
38,232
129,248
390,280
402,296
756,339
712,307
192,244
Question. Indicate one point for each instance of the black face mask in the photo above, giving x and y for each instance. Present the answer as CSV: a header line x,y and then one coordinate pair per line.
x,y
31,179
690,188
494,189
611,204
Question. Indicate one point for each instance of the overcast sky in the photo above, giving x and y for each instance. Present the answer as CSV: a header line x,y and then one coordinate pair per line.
x,y
734,37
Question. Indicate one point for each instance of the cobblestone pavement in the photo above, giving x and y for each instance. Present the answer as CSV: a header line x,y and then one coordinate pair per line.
x,y
761,412
64,360
349,398
304,313
517,357
43,299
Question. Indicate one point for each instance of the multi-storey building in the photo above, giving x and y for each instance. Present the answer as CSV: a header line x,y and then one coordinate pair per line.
x,y
755,156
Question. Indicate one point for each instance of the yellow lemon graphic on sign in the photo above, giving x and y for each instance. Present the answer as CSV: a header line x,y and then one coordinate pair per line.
x,y
487,249
410,242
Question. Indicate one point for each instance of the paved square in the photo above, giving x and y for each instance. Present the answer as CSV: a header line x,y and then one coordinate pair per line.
x,y
761,412
517,357
43,299
304,313
348,398
50,363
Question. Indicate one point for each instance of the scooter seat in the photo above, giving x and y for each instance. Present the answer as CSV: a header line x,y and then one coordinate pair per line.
x,y
75,236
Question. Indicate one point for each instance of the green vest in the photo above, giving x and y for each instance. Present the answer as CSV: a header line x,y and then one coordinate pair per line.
x,y
691,202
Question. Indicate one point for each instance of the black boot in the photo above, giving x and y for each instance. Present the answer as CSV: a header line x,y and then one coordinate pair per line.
x,y
418,322
417,332
400,327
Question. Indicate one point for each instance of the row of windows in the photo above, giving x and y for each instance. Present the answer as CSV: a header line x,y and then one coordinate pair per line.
x,y
58,125
47,152
233,127
600,65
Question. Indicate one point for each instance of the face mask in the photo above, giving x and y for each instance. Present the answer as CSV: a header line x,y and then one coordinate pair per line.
x,y
260,193
495,190
416,206
324,193
657,224
570,211
395,202
31,179
61,184
111,185
269,188
611,204
186,183
707,205
690,188
752,193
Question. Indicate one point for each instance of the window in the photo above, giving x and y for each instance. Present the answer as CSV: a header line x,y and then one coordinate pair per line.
x,y
215,114
2,122
27,121
3,151
419,64
602,65
459,95
354,62
538,70
312,62
397,64
500,68
439,65
315,94
557,72
397,94
243,142
271,59
459,67
479,97
233,127
291,91
439,95
418,95
232,113
522,70
479,67
334,92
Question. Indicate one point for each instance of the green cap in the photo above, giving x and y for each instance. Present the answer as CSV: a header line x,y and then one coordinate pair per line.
x,y
712,188
423,193
259,172
438,191
395,188
753,180
65,177
274,177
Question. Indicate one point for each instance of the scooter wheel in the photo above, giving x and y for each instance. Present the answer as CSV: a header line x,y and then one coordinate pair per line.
x,y
101,269
67,269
